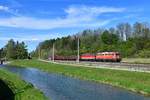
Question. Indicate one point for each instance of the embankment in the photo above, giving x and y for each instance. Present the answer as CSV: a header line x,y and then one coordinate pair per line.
x,y
14,88
5,92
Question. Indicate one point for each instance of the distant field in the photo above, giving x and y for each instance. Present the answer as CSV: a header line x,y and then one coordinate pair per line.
x,y
135,81
21,89
136,60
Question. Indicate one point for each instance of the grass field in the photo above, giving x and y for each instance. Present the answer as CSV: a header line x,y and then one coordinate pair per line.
x,y
137,60
134,81
21,89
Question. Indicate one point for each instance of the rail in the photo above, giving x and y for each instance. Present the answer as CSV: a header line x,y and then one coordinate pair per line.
x,y
110,65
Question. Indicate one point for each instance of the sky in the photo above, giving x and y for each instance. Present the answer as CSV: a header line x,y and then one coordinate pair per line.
x,y
34,21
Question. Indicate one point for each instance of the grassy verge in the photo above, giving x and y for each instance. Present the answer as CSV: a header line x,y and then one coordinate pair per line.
x,y
137,60
135,81
21,89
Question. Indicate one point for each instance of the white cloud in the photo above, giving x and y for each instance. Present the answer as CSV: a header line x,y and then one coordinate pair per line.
x,y
29,38
33,23
17,39
80,11
3,8
82,16
8,10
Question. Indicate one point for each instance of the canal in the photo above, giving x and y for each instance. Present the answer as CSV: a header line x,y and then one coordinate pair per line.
x,y
60,87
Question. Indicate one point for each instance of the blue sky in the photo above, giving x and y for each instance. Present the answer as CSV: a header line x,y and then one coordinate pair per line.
x,y
33,21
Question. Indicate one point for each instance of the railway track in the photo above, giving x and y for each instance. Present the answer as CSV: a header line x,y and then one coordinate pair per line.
x,y
111,65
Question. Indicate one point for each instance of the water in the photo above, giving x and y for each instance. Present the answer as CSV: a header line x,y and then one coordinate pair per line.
x,y
59,87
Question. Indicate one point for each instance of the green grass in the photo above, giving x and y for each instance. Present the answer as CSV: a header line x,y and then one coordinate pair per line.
x,y
137,60
135,81
21,89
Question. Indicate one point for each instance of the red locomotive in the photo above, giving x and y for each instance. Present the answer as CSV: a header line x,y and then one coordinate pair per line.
x,y
102,56
108,56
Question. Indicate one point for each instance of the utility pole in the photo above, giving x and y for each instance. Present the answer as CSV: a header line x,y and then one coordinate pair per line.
x,y
39,52
78,50
53,52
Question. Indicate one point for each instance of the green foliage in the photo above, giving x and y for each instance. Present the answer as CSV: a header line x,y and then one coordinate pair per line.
x,y
21,51
2,53
109,38
14,50
10,50
143,54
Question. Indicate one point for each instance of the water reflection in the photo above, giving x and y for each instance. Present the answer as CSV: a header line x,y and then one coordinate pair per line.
x,y
59,87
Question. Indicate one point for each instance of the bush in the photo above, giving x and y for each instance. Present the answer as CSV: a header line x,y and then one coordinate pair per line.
x,y
143,54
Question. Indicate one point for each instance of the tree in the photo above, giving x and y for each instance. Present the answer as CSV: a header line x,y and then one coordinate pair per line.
x,y
2,53
146,31
11,52
21,51
138,29
124,31
16,50
112,30
108,38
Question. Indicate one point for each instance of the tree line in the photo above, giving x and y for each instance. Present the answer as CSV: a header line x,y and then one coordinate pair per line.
x,y
129,40
14,50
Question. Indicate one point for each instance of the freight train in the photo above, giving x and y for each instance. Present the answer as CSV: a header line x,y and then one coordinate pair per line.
x,y
101,56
